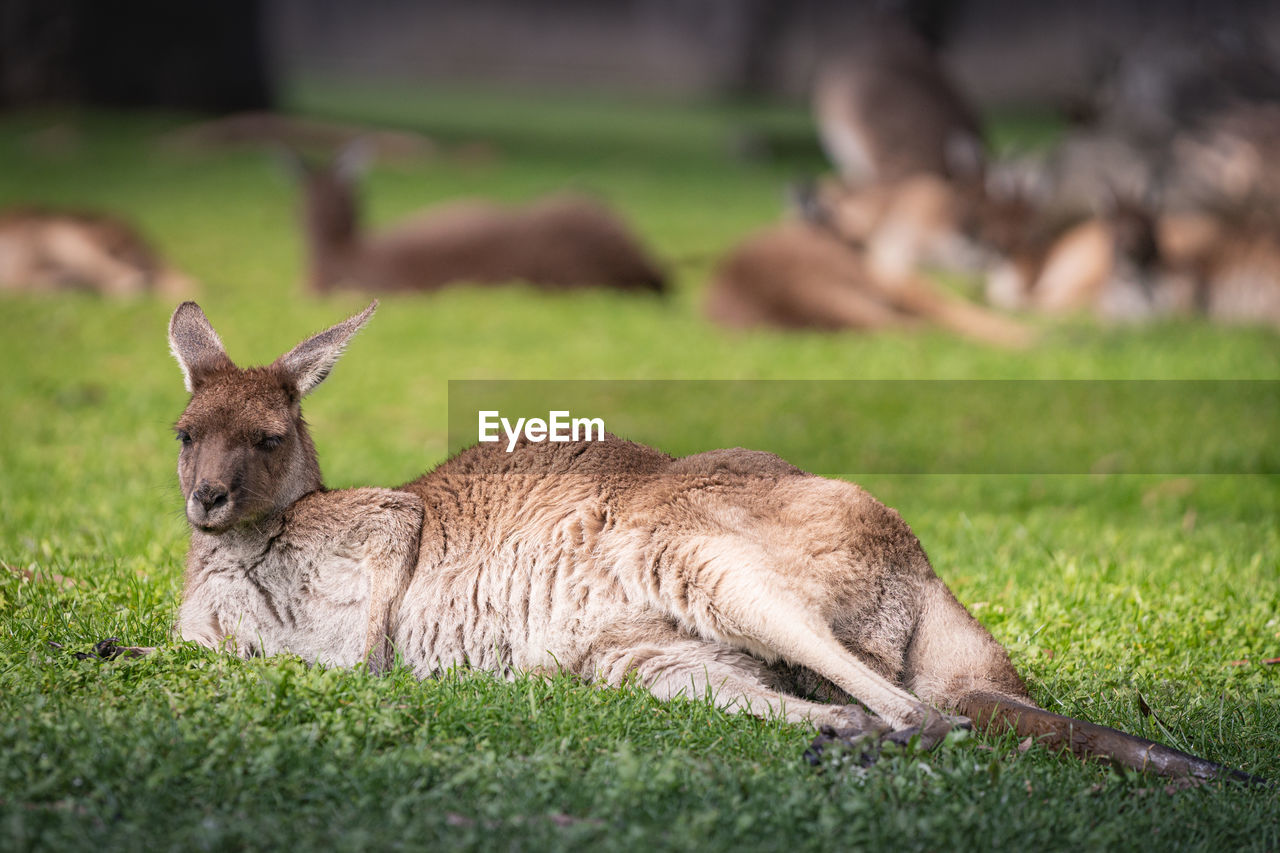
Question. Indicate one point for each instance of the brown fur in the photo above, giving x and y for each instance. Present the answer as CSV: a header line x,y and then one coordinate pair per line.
x,y
722,573
1034,259
887,110
908,225
559,242
1131,265
794,276
1229,270
855,267
44,250
1229,160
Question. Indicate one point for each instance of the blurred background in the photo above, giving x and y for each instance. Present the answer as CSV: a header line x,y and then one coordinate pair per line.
x,y
180,147
243,54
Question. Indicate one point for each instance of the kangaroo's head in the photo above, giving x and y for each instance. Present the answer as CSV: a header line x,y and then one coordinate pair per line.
x,y
330,208
246,453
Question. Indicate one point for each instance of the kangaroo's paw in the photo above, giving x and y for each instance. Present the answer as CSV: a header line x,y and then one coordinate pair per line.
x,y
932,731
837,747
110,649
861,744
852,734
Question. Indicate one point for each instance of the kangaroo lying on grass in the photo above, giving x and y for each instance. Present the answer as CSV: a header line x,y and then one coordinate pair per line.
x,y
795,275
57,250
559,242
729,572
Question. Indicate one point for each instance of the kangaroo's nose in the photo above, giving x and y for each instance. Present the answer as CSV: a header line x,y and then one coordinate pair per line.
x,y
210,495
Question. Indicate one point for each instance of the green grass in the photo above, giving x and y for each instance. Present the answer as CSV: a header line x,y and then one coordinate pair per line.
x,y
1104,588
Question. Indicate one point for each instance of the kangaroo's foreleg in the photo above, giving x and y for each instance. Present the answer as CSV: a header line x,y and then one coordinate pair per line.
x,y
109,649
390,555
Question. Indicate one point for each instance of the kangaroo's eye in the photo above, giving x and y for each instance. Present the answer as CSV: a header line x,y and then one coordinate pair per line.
x,y
270,442
184,437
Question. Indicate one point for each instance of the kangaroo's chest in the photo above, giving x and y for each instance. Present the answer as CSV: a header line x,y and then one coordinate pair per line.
x,y
514,596
305,600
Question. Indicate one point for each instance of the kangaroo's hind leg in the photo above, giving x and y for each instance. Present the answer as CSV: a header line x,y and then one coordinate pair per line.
x,y
952,657
746,596
671,663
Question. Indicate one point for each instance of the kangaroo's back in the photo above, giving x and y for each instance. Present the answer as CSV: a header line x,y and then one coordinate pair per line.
x,y
559,242
794,276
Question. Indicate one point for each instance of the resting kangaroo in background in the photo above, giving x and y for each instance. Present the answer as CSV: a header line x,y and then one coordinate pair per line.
x,y
1228,269
725,572
1106,264
55,250
854,262
795,275
559,242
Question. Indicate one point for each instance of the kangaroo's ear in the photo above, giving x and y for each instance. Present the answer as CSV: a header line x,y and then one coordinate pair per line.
x,y
309,362
195,344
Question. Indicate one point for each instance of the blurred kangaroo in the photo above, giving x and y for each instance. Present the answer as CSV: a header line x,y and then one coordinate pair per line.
x,y
795,275
1227,269
922,221
855,260
1228,161
887,110
43,250
558,242
1033,258
1108,264
717,574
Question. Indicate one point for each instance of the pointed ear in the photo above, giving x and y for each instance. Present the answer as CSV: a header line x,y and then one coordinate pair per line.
x,y
309,362
195,344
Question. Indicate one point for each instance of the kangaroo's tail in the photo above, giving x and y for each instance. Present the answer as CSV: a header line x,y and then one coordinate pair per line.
x,y
997,714
956,665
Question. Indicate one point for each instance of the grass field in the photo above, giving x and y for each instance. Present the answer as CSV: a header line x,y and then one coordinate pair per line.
x,y
1113,593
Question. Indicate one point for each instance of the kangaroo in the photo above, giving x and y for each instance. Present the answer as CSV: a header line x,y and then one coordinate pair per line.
x,y
1229,160
559,242
50,250
1115,265
796,275
887,110
716,573
1228,270
1033,258
904,225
